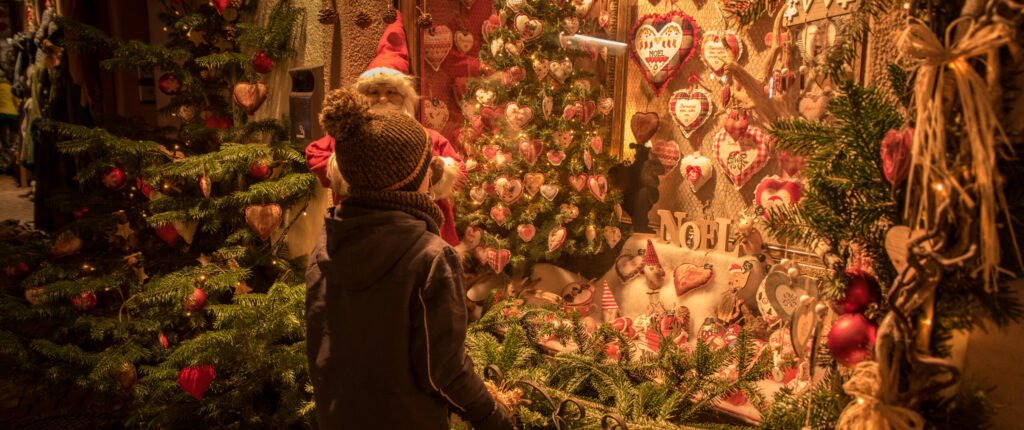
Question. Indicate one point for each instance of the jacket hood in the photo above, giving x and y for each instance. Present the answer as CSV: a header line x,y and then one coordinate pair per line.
x,y
363,244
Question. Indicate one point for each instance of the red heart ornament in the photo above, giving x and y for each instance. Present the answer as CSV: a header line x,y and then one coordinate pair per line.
x,y
736,124
571,110
588,111
168,234
263,219
644,125
509,190
499,214
688,277
489,118
481,255
556,157
690,109
250,96
530,150
774,191
196,379
437,42
895,150
667,153
598,185
514,48
518,116
596,143
577,182
624,325
526,232
741,159
498,258
718,48
556,238
660,44
562,138
435,113
790,163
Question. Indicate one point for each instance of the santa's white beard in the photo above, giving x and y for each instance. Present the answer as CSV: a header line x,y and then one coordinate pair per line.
x,y
386,107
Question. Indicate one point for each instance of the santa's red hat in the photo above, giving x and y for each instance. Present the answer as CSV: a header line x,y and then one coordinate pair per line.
x,y
391,66
651,257
608,300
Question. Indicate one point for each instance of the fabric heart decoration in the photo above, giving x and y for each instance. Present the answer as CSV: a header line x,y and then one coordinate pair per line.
x,y
790,163
532,182
549,191
605,105
195,380
604,20
697,170
528,27
491,152
736,124
741,159
168,234
263,219
485,97
496,46
472,236
518,116
205,185
514,48
644,125
690,109
490,25
560,70
509,190
498,258
688,277
598,185
571,24
577,182
717,48
499,214
250,96
583,7
515,5
570,211
477,194
556,238
464,41
540,68
489,118
813,105
470,110
512,76
435,113
660,44
570,111
596,144
612,236
895,150
526,232
556,157
667,152
437,42
587,111
588,160
530,150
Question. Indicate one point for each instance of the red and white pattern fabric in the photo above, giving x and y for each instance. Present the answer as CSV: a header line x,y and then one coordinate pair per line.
x,y
608,302
741,160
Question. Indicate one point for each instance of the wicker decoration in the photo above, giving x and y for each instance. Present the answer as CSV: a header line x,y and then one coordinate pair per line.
x,y
328,14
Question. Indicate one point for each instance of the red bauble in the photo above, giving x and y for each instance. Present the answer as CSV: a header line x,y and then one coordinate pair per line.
x,y
168,233
196,379
259,169
169,84
81,212
218,122
861,290
84,301
851,339
195,302
261,63
114,178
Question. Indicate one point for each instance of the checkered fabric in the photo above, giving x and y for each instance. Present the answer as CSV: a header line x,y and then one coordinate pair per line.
x,y
742,160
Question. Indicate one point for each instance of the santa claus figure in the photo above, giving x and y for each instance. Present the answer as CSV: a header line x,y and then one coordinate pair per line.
x,y
388,86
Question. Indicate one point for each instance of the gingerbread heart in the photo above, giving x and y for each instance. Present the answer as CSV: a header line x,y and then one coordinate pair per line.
x,y
688,277
263,219
464,41
719,48
690,109
528,27
549,191
518,116
250,96
667,153
660,44
526,232
437,42
532,182
530,150
741,159
435,113
643,126
697,170
598,185
588,160
556,238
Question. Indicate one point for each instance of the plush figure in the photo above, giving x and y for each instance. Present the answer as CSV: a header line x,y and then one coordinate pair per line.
x,y
639,183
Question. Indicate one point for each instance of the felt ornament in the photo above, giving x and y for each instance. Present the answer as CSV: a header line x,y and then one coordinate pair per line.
x,y
496,46
518,116
812,105
583,7
660,44
556,237
194,302
205,185
541,68
526,232
736,124
556,157
612,236
515,5
571,24
570,211
514,48
464,41
546,105
218,122
588,160
791,164
562,138
169,84
84,301
472,236
697,169
605,105
596,144
578,182
817,38
598,185
688,277
499,214
644,125
530,150
532,182
470,110
560,70
196,379
719,48
115,178
741,159
528,27
604,20
896,154
690,109
437,42
667,153
774,191
250,96
168,234
498,258
509,190
490,25
549,191
435,113
489,118
263,219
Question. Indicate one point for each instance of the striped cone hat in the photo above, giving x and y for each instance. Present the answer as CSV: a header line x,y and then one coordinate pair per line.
x,y
608,300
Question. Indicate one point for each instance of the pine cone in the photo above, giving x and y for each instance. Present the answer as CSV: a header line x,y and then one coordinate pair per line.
x,y
230,33
425,21
328,16
236,4
363,20
390,15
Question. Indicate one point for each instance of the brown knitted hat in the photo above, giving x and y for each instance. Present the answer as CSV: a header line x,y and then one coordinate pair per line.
x,y
376,151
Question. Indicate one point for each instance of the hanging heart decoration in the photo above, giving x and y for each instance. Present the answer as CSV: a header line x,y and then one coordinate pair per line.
x,y
498,258
736,124
774,191
644,125
813,105
782,295
571,24
560,70
484,96
697,170
661,43
205,185
690,109
263,219
596,144
512,76
490,152
464,41
605,105
570,211
556,157
477,194
489,118
515,5
718,48
578,182
549,191
896,154
472,236
518,116
250,96
540,68
741,159
532,182
790,163
435,113
546,105
528,27
470,110
587,111
583,7
514,48
526,232
195,380
612,236
588,160
437,42
490,25
508,190
496,46
571,110
530,150
556,238
667,153
499,214
598,185
168,234
604,20
688,277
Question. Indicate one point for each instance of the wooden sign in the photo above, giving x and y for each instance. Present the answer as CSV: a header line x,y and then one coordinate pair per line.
x,y
804,11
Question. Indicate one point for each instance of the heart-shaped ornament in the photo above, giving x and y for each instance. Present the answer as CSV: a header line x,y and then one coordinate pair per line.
x,y
549,191
667,152
514,48
515,5
570,211
546,105
587,112
790,163
435,113
577,182
498,258
571,110
896,154
812,105
571,24
437,42
250,96
528,27
605,105
540,68
205,185
470,110
688,277
490,25
588,160
532,182
518,116
596,144
530,150
477,194
697,170
560,70
526,232
690,109
556,238
263,219
485,97
464,41
583,7
604,20
472,237
743,158
509,190
598,185
774,191
556,157
644,125
489,118
717,48
496,46
660,44
195,380
499,214
490,152
782,295
736,124
612,236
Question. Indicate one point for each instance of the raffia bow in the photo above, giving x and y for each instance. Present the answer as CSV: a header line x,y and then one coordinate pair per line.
x,y
933,168
868,411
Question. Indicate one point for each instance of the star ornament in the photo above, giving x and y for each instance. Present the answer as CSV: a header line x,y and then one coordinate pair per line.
x,y
241,288
124,230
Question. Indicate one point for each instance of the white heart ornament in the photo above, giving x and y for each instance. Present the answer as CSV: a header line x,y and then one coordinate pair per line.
x,y
515,5
509,190
556,238
518,116
485,97
528,27
549,191
571,24
514,48
561,70
526,232
470,111
697,169
477,194
437,42
690,109
716,48
435,113
540,68
496,46
741,159
598,187
464,41
612,235
661,43
546,105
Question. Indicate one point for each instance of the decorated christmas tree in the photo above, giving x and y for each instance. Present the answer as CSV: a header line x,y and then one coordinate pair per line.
x,y
538,187
174,292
